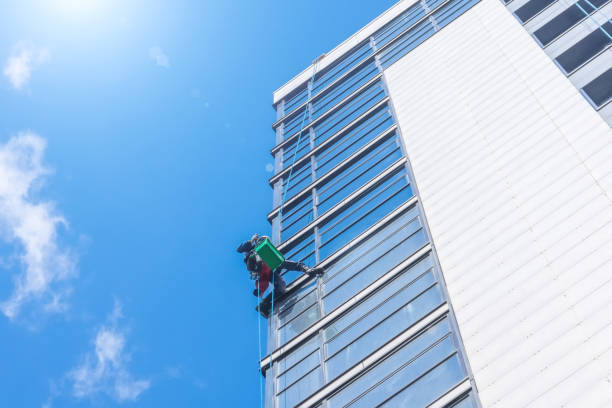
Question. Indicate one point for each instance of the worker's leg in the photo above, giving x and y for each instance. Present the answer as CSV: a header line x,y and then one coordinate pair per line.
x,y
299,266
280,287
293,266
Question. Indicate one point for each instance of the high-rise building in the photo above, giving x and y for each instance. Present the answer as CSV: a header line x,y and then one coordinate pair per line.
x,y
450,166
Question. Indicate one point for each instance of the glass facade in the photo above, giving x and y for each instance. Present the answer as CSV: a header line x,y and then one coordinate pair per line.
x,y
578,38
377,329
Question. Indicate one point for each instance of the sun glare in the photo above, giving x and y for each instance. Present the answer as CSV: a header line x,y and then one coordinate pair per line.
x,y
80,6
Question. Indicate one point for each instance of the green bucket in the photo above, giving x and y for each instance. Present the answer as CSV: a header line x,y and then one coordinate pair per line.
x,y
269,254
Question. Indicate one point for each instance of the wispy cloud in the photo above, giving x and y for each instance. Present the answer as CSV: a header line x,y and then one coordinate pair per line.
x,y
23,60
105,369
33,226
160,58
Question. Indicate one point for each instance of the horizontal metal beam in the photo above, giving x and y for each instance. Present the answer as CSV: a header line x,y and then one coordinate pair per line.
x,y
333,315
375,357
329,86
460,390
333,138
331,212
328,112
332,172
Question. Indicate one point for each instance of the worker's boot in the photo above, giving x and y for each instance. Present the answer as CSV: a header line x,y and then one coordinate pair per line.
x,y
264,309
316,271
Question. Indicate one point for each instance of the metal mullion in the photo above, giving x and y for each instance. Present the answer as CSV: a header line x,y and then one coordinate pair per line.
x,y
351,108
445,359
363,193
333,137
356,259
299,206
363,75
359,163
293,305
354,53
345,202
362,217
397,165
284,228
387,318
296,316
603,50
321,92
296,363
373,359
439,276
376,52
582,19
343,308
296,381
408,41
361,238
335,107
306,243
381,304
334,170
362,130
403,366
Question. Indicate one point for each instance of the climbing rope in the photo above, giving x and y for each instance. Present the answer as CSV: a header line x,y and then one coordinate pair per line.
x,y
284,196
261,399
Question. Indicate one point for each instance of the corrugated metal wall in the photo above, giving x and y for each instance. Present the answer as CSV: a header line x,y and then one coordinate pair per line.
x,y
514,169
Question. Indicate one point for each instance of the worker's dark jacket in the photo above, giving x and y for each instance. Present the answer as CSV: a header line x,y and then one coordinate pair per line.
x,y
255,264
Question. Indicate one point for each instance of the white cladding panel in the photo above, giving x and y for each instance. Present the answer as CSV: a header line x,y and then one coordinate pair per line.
x,y
514,169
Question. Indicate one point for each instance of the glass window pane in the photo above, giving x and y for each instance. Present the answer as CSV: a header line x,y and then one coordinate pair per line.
x,y
295,100
384,238
348,112
466,403
564,21
600,89
390,364
586,48
431,386
408,376
531,8
374,270
354,139
399,24
299,324
384,331
291,307
368,305
342,89
300,390
407,42
379,313
343,65
297,355
300,369
357,175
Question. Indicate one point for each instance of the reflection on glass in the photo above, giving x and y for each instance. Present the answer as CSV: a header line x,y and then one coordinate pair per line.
x,y
405,355
384,331
430,387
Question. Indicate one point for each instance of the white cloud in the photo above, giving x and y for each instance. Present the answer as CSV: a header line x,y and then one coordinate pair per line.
x,y
105,369
157,55
33,226
22,62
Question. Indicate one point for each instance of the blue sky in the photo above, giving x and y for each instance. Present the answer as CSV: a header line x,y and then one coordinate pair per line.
x,y
134,155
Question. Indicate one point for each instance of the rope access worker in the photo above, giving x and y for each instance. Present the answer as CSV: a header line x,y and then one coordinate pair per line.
x,y
261,273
